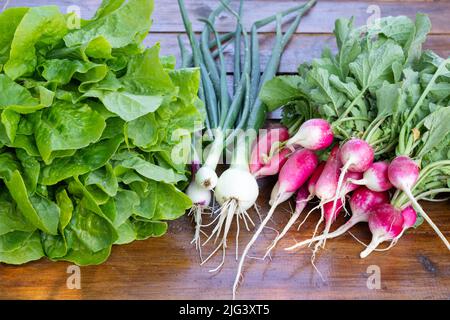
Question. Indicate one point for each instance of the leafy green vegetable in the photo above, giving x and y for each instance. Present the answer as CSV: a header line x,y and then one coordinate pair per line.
x,y
11,219
15,97
366,88
87,122
66,126
130,106
39,27
128,24
29,250
9,20
147,169
380,86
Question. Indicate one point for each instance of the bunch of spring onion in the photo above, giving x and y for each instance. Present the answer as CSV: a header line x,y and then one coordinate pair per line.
x,y
233,116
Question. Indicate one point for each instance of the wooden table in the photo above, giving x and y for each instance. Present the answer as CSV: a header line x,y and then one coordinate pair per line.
x,y
168,267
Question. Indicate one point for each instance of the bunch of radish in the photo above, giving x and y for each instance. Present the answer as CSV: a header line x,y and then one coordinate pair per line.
x,y
356,141
349,172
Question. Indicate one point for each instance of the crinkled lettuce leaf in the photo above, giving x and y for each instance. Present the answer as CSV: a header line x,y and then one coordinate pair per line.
x,y
89,123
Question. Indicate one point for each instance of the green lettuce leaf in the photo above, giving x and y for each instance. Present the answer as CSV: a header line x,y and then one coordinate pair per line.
x,y
66,127
9,20
120,27
30,250
89,121
39,27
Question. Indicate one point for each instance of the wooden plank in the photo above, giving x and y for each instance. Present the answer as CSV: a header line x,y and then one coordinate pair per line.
x,y
302,48
168,268
319,20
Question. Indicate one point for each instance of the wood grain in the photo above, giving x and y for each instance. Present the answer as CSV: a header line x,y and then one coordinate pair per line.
x,y
319,20
168,268
418,267
302,48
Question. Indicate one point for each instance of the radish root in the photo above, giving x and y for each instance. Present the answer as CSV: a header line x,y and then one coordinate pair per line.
x,y
376,240
417,206
338,232
250,244
288,226
391,244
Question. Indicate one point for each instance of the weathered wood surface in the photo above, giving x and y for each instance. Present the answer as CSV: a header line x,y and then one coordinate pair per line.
x,y
168,267
321,20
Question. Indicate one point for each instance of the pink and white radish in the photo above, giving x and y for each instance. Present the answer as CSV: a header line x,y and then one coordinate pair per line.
x,y
409,220
276,192
261,150
313,134
386,224
361,203
356,155
330,210
409,217
331,213
376,177
326,186
273,166
403,173
295,172
346,189
349,184
312,182
312,188
304,195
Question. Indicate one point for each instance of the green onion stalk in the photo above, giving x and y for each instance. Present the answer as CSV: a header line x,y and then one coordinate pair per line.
x,y
233,118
